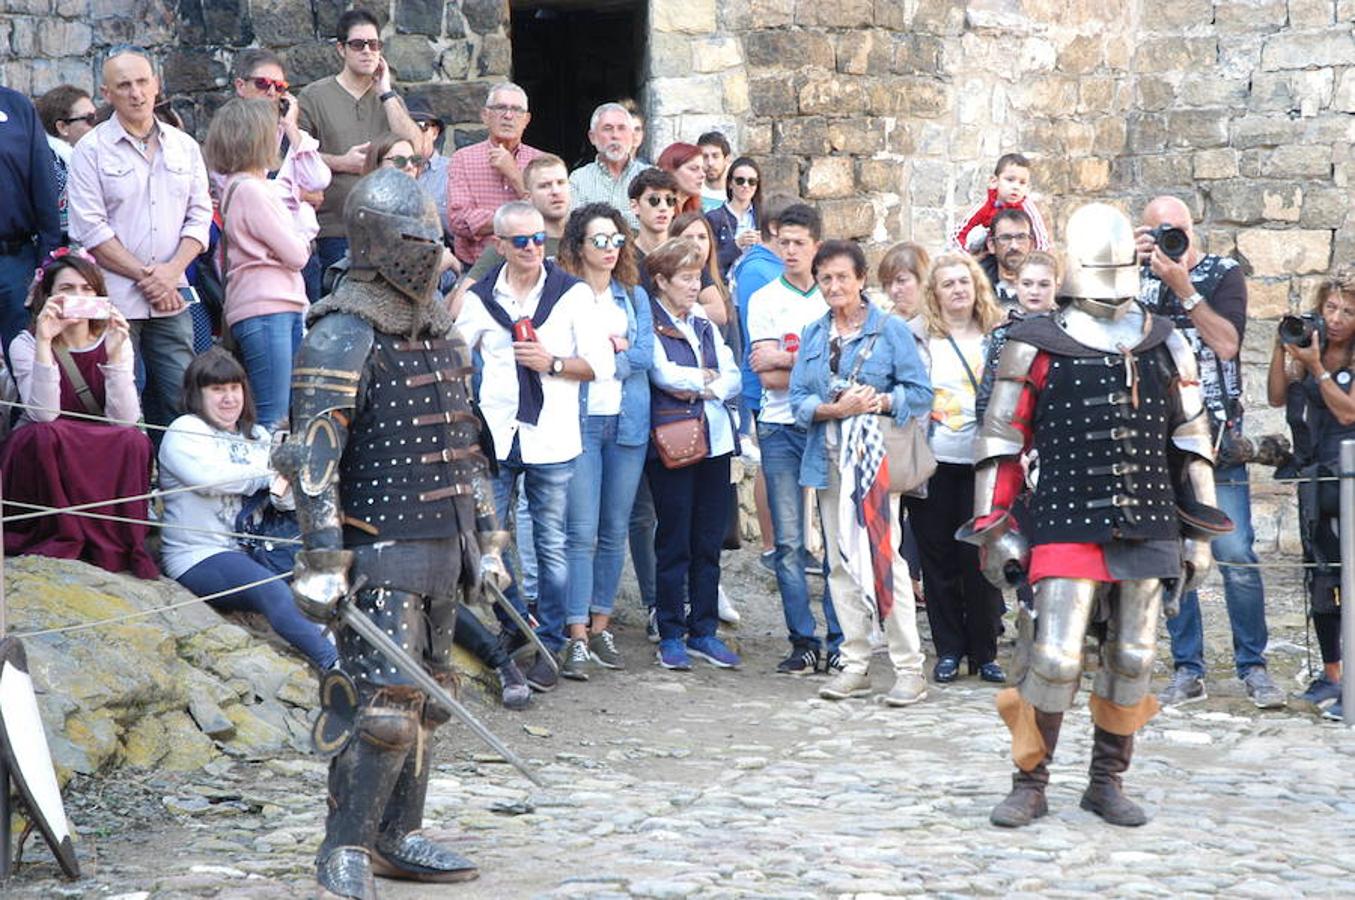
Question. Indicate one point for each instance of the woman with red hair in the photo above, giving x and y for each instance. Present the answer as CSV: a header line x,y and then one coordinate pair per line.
x,y
683,161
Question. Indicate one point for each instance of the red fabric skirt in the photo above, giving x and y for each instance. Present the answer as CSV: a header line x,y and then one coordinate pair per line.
x,y
68,463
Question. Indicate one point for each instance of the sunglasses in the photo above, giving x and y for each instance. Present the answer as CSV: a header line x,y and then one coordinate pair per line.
x,y
520,241
401,162
358,44
741,180
667,200
425,124
265,84
87,118
616,240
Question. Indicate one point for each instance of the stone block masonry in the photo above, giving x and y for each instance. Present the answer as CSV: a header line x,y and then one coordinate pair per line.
x,y
888,113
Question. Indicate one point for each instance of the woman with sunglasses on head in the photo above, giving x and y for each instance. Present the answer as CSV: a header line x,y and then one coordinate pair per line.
x,y
736,223
76,358
262,253
615,429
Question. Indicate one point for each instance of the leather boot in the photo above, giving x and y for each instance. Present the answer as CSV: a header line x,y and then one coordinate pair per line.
x,y
1110,757
1026,802
360,781
401,851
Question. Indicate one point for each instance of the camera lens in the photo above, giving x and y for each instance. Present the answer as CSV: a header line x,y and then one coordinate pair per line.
x,y
1296,330
1173,241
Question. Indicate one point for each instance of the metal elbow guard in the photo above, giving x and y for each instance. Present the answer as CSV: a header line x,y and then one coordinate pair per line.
x,y
1004,552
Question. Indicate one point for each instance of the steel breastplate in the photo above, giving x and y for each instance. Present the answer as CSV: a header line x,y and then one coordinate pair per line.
x,y
413,444
1103,461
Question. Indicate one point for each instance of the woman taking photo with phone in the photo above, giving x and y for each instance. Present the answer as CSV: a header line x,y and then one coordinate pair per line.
x,y
77,358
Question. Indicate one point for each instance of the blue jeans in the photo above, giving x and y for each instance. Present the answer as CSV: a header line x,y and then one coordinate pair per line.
x,y
597,519
525,544
267,345
16,274
163,348
311,275
642,525
232,568
328,251
783,446
1242,589
545,485
693,513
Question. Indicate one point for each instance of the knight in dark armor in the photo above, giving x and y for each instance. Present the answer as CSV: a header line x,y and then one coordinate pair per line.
x,y
392,488
1107,396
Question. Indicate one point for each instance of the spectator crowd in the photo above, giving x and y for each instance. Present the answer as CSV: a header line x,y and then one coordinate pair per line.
x,y
677,318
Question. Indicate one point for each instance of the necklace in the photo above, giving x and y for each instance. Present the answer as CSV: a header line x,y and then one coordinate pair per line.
x,y
142,141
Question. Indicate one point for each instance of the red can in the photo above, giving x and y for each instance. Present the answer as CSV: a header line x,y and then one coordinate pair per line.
x,y
523,330
790,342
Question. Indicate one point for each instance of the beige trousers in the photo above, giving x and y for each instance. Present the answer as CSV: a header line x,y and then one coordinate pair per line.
x,y
856,619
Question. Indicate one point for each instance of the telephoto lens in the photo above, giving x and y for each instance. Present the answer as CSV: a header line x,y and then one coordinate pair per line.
x,y
1172,241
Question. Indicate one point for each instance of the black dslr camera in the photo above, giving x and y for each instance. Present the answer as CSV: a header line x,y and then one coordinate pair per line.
x,y
1172,241
1299,330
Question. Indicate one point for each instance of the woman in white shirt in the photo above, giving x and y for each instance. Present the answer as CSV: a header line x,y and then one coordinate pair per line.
x,y
219,447
694,377
958,311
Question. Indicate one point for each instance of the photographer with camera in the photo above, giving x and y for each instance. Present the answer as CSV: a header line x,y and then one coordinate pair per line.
x,y
1312,359
1205,296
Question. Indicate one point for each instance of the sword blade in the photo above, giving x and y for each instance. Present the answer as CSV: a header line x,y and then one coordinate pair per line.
x,y
355,619
523,625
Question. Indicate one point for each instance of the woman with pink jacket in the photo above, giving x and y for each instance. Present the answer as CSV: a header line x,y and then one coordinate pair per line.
x,y
263,254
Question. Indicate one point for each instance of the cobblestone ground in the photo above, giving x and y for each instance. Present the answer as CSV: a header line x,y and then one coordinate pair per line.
x,y
744,784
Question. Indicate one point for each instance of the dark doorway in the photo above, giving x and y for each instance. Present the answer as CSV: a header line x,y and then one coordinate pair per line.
x,y
570,56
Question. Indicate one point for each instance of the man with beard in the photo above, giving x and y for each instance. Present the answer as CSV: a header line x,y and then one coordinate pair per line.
x,y
1010,240
607,178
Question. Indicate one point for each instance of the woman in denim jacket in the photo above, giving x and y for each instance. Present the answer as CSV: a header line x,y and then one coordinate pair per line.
x,y
858,360
614,419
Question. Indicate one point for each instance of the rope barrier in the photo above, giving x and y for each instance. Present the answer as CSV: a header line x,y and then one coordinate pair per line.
x,y
141,614
95,504
143,426
154,523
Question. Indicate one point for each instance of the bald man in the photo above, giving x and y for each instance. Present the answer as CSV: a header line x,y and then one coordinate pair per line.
x,y
1206,297
139,202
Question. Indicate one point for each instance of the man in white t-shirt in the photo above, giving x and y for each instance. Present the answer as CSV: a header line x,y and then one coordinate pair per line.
x,y
777,314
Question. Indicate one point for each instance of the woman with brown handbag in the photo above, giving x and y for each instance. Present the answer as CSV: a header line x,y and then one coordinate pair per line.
x,y
694,436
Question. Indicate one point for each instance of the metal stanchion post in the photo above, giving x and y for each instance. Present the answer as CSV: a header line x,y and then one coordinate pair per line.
x,y
1347,578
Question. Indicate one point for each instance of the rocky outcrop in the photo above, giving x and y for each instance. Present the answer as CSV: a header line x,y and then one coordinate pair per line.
x,y
171,690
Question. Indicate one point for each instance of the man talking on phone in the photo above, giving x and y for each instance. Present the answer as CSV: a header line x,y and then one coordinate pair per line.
x,y
139,202
346,112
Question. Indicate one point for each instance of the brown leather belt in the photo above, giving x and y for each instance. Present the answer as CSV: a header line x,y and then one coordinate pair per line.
x,y
446,418
439,375
411,346
471,452
444,493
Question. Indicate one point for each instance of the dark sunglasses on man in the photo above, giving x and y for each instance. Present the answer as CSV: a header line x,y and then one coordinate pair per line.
x,y
520,241
357,45
667,200
266,84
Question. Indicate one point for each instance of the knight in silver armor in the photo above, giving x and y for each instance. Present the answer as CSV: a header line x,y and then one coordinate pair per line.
x,y
1106,396
392,487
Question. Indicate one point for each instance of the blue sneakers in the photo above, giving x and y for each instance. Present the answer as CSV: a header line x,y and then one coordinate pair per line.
x,y
673,655
1321,692
713,651
1334,712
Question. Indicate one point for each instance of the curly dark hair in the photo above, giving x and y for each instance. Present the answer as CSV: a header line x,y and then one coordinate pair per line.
x,y
570,253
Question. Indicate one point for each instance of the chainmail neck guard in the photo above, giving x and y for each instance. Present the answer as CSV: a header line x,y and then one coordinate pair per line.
x,y
385,308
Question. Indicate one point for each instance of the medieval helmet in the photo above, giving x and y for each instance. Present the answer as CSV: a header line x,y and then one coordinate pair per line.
x,y
1102,259
394,232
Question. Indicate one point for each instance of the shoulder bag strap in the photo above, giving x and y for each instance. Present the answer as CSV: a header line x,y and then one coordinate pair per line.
x,y
974,382
82,388
225,204
864,355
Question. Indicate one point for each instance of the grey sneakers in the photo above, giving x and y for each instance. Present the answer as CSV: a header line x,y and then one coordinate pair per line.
x,y
1262,690
846,684
1185,687
575,663
907,690
602,647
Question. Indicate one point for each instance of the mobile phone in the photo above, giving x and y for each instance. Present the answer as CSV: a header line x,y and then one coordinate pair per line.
x,y
74,306
283,105
188,294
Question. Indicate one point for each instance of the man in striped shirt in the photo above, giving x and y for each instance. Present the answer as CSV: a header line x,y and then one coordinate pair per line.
x,y
607,178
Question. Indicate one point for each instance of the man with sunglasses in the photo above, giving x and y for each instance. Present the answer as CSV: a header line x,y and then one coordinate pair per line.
x,y
30,227
485,176
607,178
302,177
346,112
1009,242
538,338
653,202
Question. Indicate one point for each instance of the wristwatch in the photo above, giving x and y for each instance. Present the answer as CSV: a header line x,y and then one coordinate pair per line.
x,y
1192,301
557,366
386,96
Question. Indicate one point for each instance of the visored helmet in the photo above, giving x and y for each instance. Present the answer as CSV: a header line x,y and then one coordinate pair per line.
x,y
394,232
1102,260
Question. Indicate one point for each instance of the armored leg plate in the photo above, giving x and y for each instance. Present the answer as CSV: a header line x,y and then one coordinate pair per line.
x,y
415,857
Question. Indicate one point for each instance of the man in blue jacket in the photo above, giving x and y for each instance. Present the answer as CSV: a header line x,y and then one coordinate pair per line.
x,y
30,226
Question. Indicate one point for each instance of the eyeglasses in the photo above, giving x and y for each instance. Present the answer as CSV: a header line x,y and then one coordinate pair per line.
x,y
358,44
425,124
667,200
520,241
616,240
505,109
87,118
401,162
265,84
1018,238
741,181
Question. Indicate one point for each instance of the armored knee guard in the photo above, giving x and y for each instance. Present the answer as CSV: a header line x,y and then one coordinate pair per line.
x,y
1063,608
1131,636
